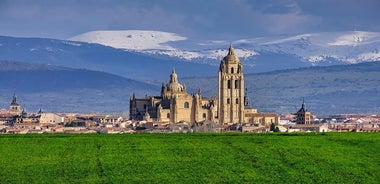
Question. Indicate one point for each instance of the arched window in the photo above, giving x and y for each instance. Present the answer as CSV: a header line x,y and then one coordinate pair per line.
x,y
168,115
204,115
186,105
236,84
232,70
237,100
229,84
228,101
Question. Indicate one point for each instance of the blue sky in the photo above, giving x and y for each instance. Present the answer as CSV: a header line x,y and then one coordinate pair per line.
x,y
202,19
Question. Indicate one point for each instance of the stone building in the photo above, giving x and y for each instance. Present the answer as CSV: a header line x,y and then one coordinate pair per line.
x,y
176,105
263,119
173,105
50,118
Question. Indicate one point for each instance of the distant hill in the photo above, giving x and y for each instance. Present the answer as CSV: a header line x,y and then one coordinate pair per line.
x,y
95,57
64,89
331,89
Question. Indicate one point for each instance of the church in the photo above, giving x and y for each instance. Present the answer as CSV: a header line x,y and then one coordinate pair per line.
x,y
173,105
176,105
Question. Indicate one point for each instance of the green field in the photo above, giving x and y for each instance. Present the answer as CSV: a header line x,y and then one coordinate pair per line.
x,y
191,158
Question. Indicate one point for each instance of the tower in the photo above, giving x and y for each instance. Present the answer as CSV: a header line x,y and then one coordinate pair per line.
x,y
231,89
302,115
15,108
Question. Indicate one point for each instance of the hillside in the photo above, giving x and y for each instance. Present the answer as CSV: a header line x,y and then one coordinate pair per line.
x,y
63,89
190,158
332,89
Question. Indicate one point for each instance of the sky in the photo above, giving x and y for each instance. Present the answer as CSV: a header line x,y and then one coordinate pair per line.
x,y
198,19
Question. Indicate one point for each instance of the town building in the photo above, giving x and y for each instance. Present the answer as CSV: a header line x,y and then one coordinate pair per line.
x,y
323,127
302,116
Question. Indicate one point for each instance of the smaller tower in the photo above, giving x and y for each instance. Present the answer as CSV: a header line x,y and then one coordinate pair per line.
x,y
302,115
15,108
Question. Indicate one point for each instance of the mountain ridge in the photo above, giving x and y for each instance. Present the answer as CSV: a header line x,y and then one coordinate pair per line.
x,y
94,57
61,89
326,89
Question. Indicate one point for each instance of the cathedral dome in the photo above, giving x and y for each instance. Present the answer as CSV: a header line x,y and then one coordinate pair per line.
x,y
231,57
173,85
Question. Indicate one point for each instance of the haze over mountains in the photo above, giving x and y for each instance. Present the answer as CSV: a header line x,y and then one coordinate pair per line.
x,y
55,73
61,89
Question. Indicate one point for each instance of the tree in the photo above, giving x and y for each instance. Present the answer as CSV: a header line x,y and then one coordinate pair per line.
x,y
272,127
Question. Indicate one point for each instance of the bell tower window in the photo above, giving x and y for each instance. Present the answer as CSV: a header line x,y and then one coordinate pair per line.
x,y
186,105
229,84
232,70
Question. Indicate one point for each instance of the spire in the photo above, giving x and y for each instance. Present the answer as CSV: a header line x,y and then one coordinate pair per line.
x,y
303,102
14,100
302,109
173,77
231,50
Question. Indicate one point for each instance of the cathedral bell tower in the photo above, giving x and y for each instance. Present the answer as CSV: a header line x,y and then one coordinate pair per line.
x,y
231,89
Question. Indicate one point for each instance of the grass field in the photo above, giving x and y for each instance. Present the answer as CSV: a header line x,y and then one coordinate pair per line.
x,y
191,158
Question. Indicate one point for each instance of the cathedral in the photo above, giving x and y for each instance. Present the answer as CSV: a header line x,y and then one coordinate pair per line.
x,y
173,105
176,105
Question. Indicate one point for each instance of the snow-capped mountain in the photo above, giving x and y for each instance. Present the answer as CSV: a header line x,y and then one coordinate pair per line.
x,y
161,43
150,55
313,49
348,47
131,39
